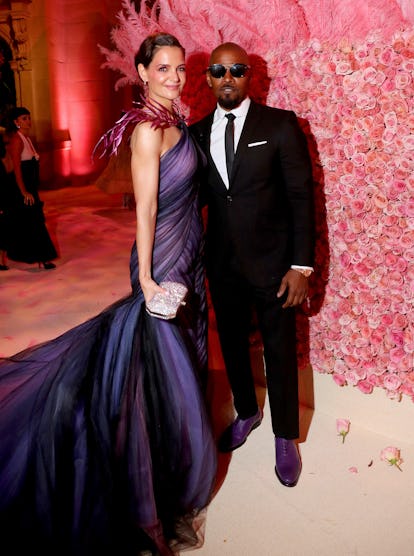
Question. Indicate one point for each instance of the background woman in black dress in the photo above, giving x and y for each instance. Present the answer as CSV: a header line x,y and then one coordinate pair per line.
x,y
29,240
5,173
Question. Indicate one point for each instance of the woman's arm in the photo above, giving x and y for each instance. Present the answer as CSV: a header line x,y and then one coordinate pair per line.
x,y
146,147
15,148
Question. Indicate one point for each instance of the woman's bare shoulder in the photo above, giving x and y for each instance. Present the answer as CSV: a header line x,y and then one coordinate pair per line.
x,y
145,137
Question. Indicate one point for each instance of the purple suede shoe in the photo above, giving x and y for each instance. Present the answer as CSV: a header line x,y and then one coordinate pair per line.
x,y
236,434
288,464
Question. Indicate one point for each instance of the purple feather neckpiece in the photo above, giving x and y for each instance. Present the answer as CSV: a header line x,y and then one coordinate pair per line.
x,y
154,112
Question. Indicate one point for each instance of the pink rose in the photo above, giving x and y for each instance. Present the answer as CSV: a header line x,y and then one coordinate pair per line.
x,y
400,321
342,428
364,328
361,269
343,68
390,120
380,78
390,220
365,387
396,355
367,299
393,395
386,56
407,239
345,259
380,200
340,367
397,337
395,188
359,159
351,376
361,52
339,379
408,210
388,136
369,74
374,380
392,456
410,118
408,65
402,80
392,382
408,142
401,265
394,280
387,319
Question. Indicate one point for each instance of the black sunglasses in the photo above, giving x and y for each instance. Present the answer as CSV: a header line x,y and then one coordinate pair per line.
x,y
236,70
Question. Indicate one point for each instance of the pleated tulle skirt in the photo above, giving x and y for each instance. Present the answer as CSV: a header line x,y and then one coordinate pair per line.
x,y
105,441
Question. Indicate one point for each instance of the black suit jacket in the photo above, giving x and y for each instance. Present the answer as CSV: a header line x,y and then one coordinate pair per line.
x,y
265,218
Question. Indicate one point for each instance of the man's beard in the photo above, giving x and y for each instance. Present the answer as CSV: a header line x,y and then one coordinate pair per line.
x,y
228,103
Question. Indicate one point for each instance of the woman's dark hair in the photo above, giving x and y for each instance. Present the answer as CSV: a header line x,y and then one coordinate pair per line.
x,y
13,114
148,47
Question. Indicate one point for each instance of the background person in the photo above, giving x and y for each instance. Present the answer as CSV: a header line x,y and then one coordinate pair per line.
x,y
6,171
29,240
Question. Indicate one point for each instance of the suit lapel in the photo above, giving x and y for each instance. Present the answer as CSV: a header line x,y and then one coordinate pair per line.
x,y
204,138
242,153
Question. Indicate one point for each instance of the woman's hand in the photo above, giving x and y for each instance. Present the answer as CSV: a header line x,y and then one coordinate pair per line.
x,y
150,288
28,198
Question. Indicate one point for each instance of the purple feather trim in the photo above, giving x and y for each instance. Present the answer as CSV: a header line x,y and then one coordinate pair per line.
x,y
155,113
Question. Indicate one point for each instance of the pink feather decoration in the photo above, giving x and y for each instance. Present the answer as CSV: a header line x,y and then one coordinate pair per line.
x,y
157,115
333,20
266,28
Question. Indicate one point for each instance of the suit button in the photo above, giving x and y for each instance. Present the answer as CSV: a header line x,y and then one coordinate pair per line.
x,y
229,199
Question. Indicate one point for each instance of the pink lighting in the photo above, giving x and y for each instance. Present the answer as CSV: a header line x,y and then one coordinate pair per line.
x,y
83,102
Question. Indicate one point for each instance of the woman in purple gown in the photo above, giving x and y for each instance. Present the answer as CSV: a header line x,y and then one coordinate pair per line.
x,y
105,441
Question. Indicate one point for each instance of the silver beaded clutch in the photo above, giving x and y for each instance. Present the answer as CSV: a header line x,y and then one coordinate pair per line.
x,y
165,305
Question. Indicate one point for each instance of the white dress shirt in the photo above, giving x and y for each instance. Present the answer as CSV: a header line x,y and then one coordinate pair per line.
x,y
217,149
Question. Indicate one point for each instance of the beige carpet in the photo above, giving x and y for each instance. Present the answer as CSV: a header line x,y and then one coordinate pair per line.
x,y
332,511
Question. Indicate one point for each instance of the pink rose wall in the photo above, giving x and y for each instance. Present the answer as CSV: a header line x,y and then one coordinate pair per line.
x,y
347,69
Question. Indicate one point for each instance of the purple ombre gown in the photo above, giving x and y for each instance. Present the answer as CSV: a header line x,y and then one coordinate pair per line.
x,y
105,441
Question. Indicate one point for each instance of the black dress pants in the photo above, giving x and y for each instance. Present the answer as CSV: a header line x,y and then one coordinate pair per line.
x,y
234,299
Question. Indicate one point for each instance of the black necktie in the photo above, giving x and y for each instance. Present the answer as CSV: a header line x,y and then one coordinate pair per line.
x,y
229,142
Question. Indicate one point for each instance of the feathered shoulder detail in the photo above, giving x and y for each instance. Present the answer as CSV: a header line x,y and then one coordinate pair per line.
x,y
143,111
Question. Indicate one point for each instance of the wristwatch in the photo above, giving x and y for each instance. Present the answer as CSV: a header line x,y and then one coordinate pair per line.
x,y
305,271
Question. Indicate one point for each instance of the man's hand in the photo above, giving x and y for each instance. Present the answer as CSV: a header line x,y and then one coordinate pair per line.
x,y
297,287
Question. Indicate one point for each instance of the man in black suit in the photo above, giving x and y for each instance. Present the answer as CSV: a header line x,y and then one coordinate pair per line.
x,y
259,247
